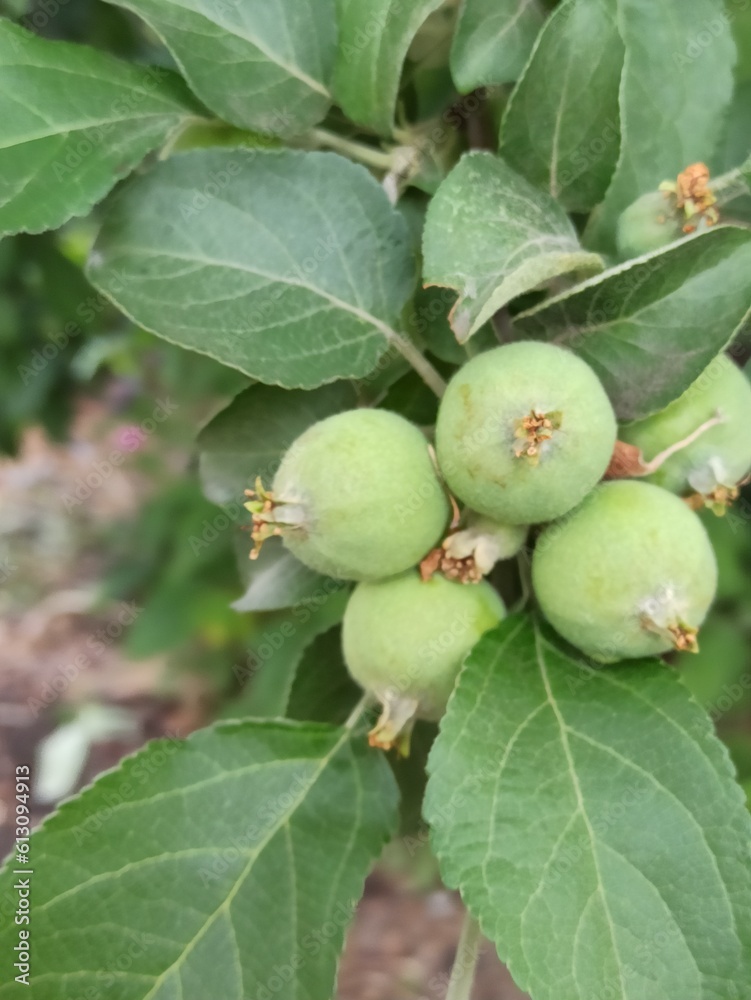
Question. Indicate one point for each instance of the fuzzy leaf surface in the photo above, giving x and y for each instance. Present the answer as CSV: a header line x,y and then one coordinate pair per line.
x,y
75,121
262,66
561,129
491,235
492,41
289,266
374,37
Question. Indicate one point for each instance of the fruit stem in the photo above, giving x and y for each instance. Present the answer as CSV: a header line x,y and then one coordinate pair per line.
x,y
663,456
467,953
371,157
525,580
417,359
357,712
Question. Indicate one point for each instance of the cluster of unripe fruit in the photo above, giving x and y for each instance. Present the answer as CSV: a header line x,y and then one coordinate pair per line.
x,y
524,437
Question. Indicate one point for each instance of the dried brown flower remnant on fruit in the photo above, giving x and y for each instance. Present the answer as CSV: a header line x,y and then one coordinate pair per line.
x,y
717,500
261,506
684,638
356,497
496,438
438,560
470,553
694,196
534,429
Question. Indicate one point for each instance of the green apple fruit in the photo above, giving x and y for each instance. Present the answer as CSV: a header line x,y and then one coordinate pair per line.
x,y
630,572
404,641
357,496
648,224
714,417
524,432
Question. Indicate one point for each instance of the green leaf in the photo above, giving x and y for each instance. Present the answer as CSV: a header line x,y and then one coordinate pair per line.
x,y
288,266
74,122
275,580
411,777
276,648
745,171
591,821
650,327
322,690
412,399
561,128
713,674
739,15
429,321
262,66
374,37
493,40
491,235
736,148
208,867
675,90
432,307
248,438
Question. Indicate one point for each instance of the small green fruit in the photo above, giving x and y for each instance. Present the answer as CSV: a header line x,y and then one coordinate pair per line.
x,y
630,572
404,641
648,224
524,432
720,456
357,496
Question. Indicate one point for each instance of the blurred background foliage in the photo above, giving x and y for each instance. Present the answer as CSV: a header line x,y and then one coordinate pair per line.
x,y
64,348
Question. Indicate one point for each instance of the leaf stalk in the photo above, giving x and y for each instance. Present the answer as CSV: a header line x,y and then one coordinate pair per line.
x,y
465,963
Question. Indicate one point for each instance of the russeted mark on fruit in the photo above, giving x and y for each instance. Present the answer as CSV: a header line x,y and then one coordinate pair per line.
x,y
533,430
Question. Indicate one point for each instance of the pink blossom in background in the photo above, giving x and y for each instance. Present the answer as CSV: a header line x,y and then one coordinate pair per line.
x,y
131,437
